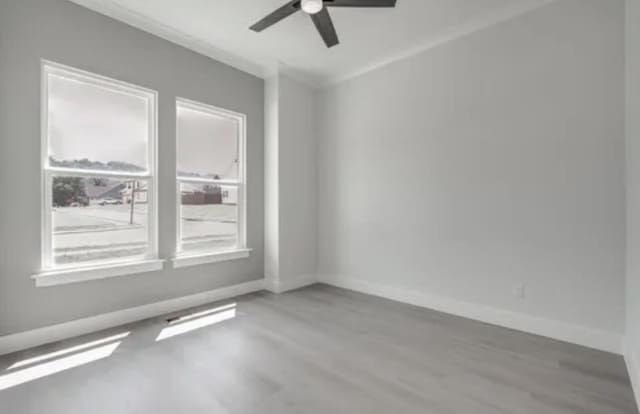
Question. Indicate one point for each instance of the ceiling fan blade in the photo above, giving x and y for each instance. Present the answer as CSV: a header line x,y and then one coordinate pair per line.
x,y
323,23
360,3
283,12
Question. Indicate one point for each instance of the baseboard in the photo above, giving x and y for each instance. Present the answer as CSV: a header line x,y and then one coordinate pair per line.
x,y
281,286
596,339
566,332
631,359
36,337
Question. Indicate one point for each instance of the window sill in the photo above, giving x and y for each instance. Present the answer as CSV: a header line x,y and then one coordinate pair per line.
x,y
83,274
194,260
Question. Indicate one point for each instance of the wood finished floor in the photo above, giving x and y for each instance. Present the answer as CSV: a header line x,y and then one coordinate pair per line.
x,y
322,350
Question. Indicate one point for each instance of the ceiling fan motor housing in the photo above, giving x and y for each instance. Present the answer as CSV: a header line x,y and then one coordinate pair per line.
x,y
311,6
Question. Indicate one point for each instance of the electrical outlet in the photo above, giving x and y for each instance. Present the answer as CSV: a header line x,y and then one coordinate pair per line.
x,y
519,291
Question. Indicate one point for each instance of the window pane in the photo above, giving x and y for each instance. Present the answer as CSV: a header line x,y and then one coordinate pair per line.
x,y
96,127
209,217
98,219
207,144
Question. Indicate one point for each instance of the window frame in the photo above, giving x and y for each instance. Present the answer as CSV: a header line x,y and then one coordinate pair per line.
x,y
48,172
240,250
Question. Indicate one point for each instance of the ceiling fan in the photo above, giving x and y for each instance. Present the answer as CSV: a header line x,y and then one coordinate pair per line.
x,y
317,9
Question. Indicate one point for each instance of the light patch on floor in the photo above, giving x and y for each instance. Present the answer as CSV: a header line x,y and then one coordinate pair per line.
x,y
198,320
80,355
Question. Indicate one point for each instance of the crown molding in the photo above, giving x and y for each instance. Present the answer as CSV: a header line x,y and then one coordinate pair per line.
x,y
150,25
455,33
265,69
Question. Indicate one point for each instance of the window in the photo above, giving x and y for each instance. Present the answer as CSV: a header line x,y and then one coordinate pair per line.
x,y
99,138
210,174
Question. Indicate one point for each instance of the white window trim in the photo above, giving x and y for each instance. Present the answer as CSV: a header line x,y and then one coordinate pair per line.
x,y
49,272
186,258
103,271
206,258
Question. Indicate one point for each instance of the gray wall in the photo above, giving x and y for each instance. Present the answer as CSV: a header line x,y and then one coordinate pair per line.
x,y
633,180
488,162
66,33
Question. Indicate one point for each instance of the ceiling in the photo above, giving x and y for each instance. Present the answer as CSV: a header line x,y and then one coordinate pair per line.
x,y
368,37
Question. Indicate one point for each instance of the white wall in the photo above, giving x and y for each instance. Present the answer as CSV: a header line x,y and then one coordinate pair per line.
x,y
492,161
64,32
633,190
291,188
271,180
298,189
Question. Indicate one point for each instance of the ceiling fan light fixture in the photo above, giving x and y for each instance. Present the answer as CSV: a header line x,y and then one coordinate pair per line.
x,y
311,6
318,14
